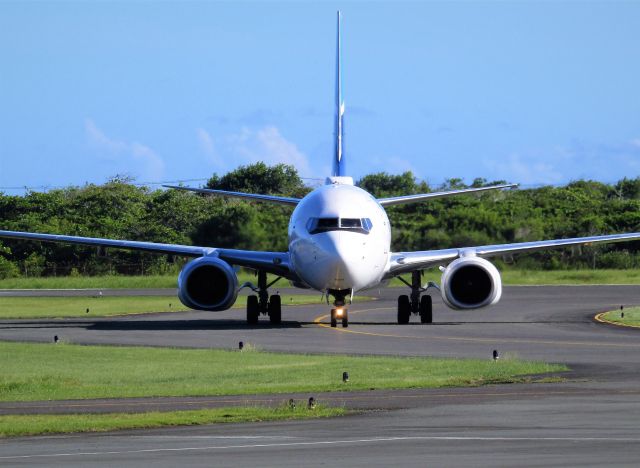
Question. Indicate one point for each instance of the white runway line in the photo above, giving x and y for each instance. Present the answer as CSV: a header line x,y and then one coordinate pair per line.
x,y
335,442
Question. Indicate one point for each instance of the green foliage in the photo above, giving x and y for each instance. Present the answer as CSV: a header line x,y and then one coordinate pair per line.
x,y
281,179
383,185
121,210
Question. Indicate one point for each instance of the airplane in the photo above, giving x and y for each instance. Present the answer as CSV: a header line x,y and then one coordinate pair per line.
x,y
339,244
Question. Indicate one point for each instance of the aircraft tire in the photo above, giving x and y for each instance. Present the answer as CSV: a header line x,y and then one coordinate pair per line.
x,y
345,320
404,309
334,322
426,309
275,310
253,310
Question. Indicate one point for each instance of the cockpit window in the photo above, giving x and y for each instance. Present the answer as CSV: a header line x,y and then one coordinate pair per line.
x,y
318,225
350,223
327,223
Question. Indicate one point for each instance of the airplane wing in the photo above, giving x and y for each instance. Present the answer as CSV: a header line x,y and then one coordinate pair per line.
x,y
426,196
271,262
404,262
252,196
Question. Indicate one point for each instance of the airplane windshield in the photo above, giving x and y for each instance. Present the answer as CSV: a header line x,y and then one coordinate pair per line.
x,y
318,225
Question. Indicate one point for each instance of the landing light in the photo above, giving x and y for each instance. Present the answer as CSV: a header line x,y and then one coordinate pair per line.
x,y
339,312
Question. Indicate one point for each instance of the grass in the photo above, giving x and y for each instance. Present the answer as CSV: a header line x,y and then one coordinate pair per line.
x,y
33,372
514,277
24,425
109,282
631,316
67,307
509,277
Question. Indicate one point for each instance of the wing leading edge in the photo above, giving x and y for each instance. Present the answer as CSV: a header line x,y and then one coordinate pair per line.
x,y
252,196
404,262
272,262
427,196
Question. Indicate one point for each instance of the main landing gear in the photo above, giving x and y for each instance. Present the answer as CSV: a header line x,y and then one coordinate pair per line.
x,y
263,304
414,303
339,312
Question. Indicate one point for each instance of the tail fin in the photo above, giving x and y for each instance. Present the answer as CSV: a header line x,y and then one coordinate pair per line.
x,y
338,159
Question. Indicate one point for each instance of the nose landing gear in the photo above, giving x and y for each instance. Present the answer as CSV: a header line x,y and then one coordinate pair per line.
x,y
416,304
339,312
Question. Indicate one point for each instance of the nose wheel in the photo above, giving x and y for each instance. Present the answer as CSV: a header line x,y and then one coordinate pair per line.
x,y
339,315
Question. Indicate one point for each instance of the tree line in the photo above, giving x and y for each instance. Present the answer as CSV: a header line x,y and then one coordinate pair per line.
x,y
119,209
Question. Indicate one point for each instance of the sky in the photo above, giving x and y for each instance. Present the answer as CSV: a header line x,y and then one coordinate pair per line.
x,y
529,92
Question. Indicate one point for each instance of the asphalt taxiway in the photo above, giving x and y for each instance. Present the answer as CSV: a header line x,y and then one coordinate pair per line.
x,y
592,419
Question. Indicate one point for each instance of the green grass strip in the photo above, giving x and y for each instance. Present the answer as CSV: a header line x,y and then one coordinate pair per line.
x,y
61,307
558,277
65,371
631,316
509,276
108,282
512,277
24,425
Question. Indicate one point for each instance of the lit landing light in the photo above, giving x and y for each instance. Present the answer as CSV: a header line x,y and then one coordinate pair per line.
x,y
339,312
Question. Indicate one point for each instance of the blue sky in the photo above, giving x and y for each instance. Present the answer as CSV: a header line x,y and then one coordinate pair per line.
x,y
531,92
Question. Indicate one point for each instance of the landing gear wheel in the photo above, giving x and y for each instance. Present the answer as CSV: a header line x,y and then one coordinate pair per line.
x,y
334,322
345,319
275,310
253,310
404,309
426,309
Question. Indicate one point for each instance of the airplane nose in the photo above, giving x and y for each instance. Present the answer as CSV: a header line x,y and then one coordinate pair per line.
x,y
342,258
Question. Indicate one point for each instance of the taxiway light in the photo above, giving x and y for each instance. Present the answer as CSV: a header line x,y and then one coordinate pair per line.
x,y
496,356
345,376
292,403
240,345
312,403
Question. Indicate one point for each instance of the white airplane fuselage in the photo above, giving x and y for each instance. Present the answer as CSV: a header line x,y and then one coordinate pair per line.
x,y
328,250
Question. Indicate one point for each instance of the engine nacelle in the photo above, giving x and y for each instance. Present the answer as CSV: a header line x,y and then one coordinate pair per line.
x,y
208,283
471,283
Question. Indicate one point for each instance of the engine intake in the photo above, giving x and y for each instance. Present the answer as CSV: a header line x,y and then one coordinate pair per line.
x,y
208,283
471,283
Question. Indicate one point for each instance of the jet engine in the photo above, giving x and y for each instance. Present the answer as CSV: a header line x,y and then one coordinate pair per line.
x,y
471,283
208,283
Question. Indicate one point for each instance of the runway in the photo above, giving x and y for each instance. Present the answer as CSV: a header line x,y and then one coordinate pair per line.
x,y
591,419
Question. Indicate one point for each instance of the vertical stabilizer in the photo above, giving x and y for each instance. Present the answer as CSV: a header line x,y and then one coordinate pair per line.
x,y
338,158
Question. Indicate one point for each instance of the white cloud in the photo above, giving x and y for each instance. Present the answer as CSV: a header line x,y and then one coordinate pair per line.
x,y
524,170
150,164
264,144
208,147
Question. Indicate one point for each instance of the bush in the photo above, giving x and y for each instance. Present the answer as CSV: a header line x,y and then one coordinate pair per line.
x,y
8,269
